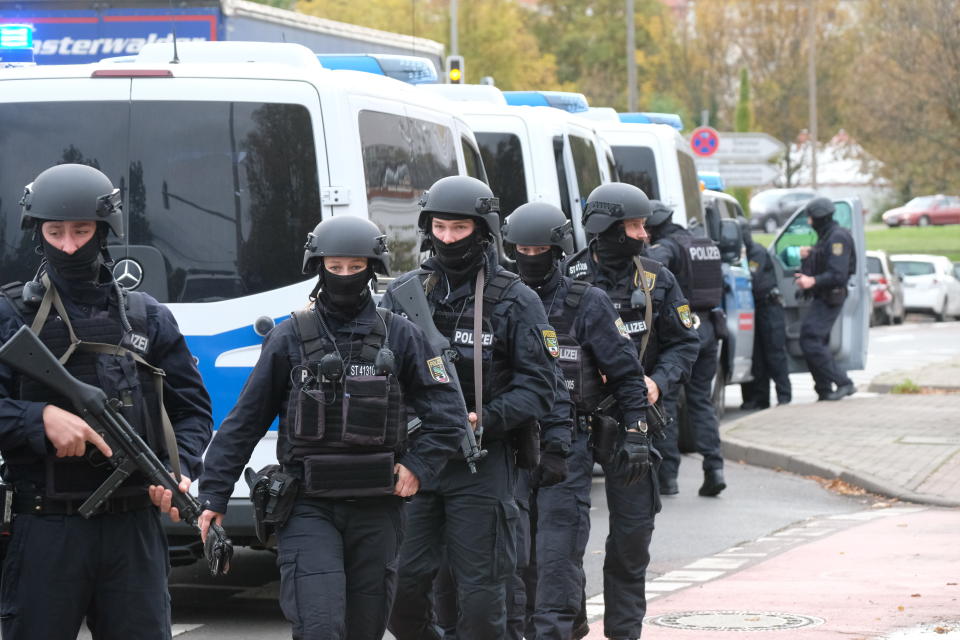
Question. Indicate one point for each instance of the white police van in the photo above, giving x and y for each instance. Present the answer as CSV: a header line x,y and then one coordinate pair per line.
x,y
225,161
534,153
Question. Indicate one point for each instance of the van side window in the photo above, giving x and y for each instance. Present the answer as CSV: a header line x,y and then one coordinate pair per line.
x,y
472,158
402,157
503,160
562,175
691,189
586,165
637,166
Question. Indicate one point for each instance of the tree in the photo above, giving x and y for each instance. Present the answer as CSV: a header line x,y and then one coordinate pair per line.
x,y
743,122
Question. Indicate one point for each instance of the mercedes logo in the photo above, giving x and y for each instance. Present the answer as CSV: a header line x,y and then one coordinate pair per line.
x,y
128,273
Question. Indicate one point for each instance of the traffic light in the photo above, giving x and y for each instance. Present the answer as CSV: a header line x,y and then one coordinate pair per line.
x,y
455,69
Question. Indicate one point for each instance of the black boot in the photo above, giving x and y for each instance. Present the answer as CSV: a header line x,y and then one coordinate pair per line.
x,y
669,487
713,482
842,391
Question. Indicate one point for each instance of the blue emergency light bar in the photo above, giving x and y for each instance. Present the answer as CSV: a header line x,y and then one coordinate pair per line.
x,y
711,180
565,100
670,119
409,69
16,43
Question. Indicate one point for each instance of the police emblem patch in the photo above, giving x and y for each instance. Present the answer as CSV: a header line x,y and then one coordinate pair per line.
x,y
651,279
550,342
753,266
838,248
622,329
437,370
684,312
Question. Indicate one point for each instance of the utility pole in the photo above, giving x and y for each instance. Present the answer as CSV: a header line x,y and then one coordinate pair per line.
x,y
631,59
453,29
812,81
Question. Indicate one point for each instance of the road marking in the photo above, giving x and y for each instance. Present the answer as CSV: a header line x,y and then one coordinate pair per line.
x,y
715,563
661,585
681,575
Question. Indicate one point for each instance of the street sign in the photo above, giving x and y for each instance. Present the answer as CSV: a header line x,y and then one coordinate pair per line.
x,y
748,175
704,141
747,147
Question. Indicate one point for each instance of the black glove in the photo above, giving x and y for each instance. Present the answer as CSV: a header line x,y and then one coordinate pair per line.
x,y
633,458
551,470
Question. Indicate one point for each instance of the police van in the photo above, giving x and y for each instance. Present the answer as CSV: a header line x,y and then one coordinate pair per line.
x,y
535,153
226,159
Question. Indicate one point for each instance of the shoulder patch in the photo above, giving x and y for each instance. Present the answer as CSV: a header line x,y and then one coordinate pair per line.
x,y
754,265
648,276
550,340
438,371
684,312
838,248
621,328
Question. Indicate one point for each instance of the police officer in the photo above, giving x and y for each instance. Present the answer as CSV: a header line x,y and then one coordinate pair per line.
x,y
474,515
657,317
110,568
339,375
594,346
695,261
769,337
824,273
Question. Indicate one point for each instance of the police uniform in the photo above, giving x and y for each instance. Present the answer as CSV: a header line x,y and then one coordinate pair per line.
x,y
769,337
696,264
668,358
475,516
831,262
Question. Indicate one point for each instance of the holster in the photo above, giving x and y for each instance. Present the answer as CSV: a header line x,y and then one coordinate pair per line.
x,y
526,445
719,319
604,432
273,494
835,296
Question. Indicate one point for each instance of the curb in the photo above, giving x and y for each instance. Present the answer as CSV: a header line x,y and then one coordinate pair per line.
x,y
741,451
882,387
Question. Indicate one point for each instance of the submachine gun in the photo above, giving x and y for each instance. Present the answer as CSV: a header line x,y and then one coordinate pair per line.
x,y
412,300
28,355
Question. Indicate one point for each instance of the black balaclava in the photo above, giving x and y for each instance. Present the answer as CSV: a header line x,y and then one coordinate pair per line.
x,y
461,258
345,295
83,265
536,270
615,249
821,224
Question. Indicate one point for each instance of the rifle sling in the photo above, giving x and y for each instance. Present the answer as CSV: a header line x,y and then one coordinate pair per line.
x,y
478,350
648,310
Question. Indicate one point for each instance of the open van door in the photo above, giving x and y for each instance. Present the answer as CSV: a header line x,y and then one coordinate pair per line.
x,y
848,338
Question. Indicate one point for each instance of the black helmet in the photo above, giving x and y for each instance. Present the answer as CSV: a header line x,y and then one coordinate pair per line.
x,y
71,192
346,236
613,202
462,196
538,224
819,208
660,212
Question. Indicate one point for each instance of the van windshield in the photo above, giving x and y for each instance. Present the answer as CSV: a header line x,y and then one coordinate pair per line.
x,y
636,166
215,202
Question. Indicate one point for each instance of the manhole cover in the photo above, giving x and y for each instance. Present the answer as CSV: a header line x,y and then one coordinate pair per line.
x,y
734,620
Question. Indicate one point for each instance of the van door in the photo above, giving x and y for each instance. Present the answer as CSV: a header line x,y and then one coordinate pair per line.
x,y
848,339
584,174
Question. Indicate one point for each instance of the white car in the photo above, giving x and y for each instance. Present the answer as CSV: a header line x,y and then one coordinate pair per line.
x,y
929,284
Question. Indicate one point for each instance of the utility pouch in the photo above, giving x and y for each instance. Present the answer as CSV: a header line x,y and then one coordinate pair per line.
x,y
310,423
273,494
366,400
835,296
719,319
526,445
348,475
604,433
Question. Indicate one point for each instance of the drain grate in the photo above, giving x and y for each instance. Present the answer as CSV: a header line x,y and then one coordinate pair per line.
x,y
734,620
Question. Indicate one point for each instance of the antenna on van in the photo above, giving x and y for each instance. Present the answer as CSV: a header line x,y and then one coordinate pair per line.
x,y
173,29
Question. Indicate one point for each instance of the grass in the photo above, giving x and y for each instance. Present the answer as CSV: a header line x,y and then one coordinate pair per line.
x,y
907,386
942,241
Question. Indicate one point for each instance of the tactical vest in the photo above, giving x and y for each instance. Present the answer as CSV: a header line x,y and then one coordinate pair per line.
x,y
344,433
458,327
117,374
580,371
701,272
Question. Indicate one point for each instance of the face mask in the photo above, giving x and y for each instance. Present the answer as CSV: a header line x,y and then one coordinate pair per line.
x,y
83,265
346,293
534,270
461,257
820,224
615,248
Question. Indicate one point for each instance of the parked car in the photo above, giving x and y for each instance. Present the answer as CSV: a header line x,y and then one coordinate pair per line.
x,y
886,289
924,211
770,209
929,285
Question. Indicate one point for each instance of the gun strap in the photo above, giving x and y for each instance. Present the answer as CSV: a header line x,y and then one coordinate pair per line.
x,y
478,295
648,306
52,298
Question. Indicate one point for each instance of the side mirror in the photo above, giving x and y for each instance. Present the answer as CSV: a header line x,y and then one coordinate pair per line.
x,y
730,242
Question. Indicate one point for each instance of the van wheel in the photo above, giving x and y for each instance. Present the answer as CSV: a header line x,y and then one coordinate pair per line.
x,y
770,224
924,221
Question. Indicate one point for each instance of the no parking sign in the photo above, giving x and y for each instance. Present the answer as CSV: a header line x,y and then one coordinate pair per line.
x,y
704,141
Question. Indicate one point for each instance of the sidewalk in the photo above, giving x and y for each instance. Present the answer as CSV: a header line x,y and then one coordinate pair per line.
x,y
905,446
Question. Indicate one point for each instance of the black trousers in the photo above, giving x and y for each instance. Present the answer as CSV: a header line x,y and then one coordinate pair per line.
x,y
474,517
815,344
338,566
111,569
769,357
